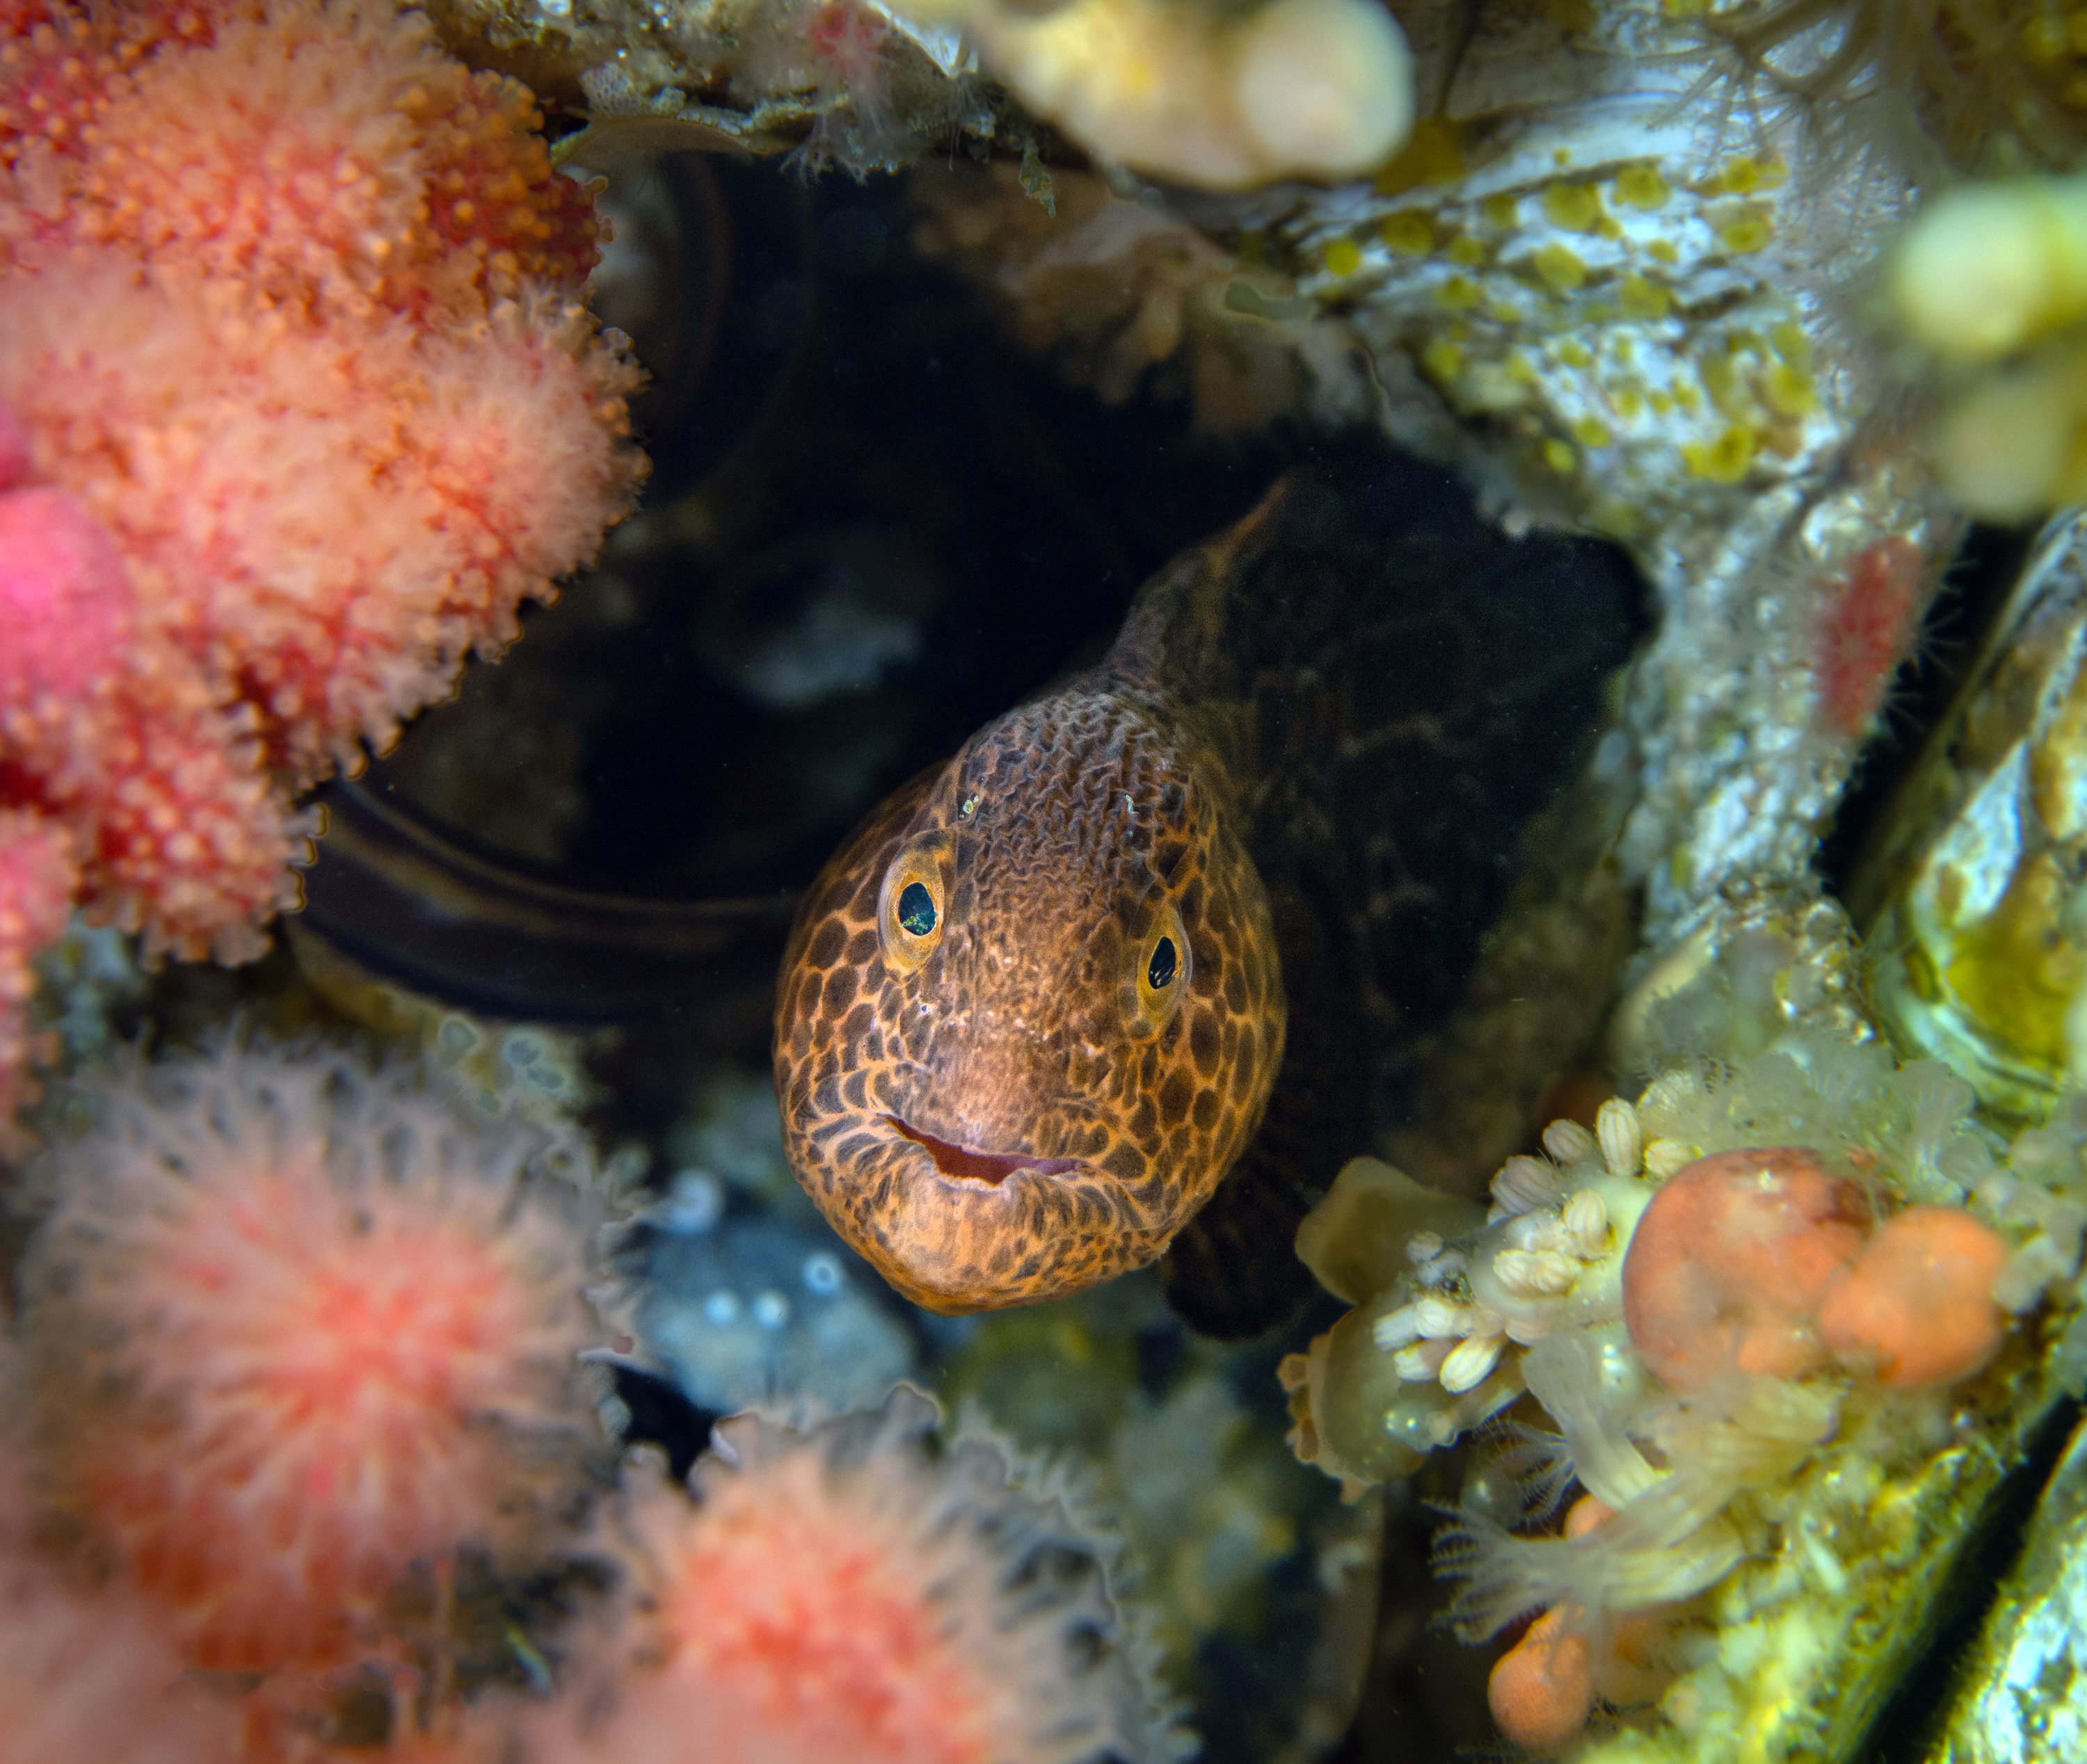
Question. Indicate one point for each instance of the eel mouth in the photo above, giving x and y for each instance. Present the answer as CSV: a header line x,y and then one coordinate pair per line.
x,y
991,1168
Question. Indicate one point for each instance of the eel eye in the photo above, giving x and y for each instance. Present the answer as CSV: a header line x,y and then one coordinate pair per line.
x,y
912,903
916,910
1162,968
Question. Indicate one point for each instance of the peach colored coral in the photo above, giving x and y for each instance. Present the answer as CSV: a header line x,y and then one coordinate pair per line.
x,y
37,876
357,167
171,825
89,1675
323,522
840,1592
290,305
293,1329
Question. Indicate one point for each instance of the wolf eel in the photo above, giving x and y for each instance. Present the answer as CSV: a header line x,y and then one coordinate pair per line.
x,y
1032,1027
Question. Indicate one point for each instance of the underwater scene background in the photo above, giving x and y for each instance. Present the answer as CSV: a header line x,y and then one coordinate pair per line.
x,y
1459,1128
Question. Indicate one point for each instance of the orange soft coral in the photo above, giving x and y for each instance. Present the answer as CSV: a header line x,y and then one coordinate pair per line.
x,y
360,168
322,522
301,328
37,877
294,1328
845,1592
171,827
289,305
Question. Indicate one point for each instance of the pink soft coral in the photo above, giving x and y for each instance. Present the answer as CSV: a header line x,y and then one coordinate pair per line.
x,y
167,823
356,167
844,1591
90,1675
290,310
322,521
37,877
293,1328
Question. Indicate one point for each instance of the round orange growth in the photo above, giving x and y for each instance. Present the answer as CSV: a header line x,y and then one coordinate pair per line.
x,y
847,1593
1542,1689
1729,1264
293,1329
1630,1671
1915,1307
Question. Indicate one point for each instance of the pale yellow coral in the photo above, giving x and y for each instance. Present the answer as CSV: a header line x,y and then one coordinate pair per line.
x,y
1990,281
1988,268
1298,88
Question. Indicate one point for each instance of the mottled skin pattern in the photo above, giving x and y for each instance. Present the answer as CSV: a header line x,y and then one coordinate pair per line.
x,y
1306,758
1071,825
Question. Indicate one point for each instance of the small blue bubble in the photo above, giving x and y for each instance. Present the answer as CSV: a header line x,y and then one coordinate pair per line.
x,y
695,1202
823,1275
771,1310
721,1309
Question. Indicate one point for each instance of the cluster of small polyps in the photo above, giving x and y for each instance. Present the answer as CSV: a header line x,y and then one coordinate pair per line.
x,y
1747,1306
300,1374
299,402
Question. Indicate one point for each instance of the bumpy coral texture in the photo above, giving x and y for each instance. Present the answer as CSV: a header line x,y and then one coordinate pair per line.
x,y
300,404
37,875
331,565
843,1592
295,1328
156,785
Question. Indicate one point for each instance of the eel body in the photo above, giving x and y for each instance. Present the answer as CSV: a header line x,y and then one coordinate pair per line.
x,y
1127,978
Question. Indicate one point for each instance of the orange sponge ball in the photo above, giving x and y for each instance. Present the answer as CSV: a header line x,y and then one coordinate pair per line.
x,y
1542,1689
1915,1307
1726,1269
